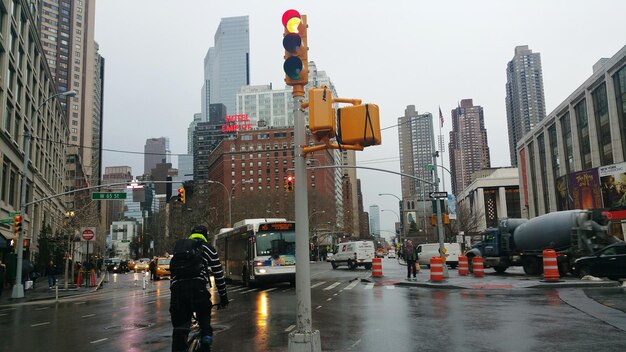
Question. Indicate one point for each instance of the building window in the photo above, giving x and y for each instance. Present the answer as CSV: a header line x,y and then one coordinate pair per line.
x,y
566,131
582,122
541,145
554,151
533,178
603,126
620,96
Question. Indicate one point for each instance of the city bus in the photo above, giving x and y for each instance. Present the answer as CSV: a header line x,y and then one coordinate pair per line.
x,y
258,251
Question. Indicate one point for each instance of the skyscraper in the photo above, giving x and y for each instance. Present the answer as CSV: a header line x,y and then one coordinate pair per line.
x,y
226,64
417,145
374,221
157,151
525,102
468,146
67,36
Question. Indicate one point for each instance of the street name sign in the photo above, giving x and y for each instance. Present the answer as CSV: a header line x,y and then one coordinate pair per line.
x,y
108,195
437,195
6,221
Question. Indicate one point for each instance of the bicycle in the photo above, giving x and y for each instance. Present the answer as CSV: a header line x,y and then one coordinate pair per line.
x,y
194,337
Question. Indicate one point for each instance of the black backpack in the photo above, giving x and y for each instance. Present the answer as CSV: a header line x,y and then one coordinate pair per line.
x,y
187,260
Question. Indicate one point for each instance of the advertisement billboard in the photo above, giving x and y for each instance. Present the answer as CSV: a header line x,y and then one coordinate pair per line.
x,y
613,185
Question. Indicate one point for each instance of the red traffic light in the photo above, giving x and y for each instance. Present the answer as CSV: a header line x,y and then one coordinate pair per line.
x,y
293,16
289,178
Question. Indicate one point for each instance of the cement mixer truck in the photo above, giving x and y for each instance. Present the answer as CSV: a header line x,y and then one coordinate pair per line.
x,y
520,242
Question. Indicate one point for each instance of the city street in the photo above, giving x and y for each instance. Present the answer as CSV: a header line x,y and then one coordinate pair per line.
x,y
352,315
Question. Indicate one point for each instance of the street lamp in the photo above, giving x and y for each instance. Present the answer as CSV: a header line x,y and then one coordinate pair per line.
x,y
18,288
229,193
400,201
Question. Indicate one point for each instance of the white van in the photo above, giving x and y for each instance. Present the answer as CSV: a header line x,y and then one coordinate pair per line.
x,y
427,250
353,254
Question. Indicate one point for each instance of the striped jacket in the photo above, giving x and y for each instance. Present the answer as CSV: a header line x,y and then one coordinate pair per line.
x,y
211,262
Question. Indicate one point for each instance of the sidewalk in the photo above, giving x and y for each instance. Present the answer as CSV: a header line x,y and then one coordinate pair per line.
x,y
395,273
42,292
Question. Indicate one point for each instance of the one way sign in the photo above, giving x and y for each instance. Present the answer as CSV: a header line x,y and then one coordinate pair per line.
x,y
438,195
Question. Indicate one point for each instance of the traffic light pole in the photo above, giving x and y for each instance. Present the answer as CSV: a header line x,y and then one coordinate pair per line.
x,y
303,338
440,230
18,288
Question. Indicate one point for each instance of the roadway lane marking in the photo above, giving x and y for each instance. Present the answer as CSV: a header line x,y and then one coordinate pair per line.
x,y
390,287
369,286
42,308
150,302
98,341
329,299
251,290
270,289
88,315
318,284
5,309
332,286
40,324
81,302
290,328
238,289
3,314
351,286
318,307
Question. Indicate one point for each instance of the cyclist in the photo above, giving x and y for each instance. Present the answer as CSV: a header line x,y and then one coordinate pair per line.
x,y
190,294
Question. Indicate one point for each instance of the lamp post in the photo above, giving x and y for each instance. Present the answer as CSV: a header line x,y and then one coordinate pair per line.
x,y
401,219
18,288
230,194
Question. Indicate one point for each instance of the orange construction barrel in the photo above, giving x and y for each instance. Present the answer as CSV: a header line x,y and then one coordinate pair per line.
x,y
463,265
436,269
80,278
377,267
550,265
478,267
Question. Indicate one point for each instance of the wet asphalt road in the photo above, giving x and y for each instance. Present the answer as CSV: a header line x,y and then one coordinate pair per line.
x,y
351,315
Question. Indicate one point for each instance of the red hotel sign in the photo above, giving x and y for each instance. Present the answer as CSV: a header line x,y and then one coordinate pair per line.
x,y
234,123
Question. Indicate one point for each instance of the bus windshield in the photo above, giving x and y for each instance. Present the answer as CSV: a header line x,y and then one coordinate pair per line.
x,y
276,243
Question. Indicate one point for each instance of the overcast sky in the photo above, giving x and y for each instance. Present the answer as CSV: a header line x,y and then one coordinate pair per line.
x,y
391,53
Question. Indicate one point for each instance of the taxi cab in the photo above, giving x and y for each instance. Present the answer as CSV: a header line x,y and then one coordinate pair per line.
x,y
163,268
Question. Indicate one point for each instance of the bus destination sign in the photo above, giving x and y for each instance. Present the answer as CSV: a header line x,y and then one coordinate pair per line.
x,y
278,226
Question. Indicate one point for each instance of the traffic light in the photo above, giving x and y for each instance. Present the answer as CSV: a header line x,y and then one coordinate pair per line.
x,y
181,195
359,125
322,123
17,224
296,64
289,183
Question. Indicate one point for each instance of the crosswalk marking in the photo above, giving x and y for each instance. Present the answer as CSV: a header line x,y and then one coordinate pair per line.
x,y
270,289
98,341
318,284
291,327
40,324
369,286
390,287
238,289
352,284
332,286
251,290
88,315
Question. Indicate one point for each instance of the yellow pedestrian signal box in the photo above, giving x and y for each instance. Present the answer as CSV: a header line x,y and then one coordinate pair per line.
x,y
359,125
322,122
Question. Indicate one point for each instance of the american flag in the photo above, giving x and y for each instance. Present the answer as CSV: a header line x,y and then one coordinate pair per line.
x,y
440,118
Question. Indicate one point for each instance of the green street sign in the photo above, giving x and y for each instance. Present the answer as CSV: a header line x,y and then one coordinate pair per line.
x,y
108,195
14,213
6,221
429,167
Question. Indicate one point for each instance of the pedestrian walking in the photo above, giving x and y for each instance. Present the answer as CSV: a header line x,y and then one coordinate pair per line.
x,y
410,256
51,271
3,273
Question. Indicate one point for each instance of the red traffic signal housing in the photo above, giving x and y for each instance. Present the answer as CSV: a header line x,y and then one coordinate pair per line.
x,y
181,195
296,64
17,223
289,183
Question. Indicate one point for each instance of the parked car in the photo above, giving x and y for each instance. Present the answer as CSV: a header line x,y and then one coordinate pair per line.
x,y
609,262
391,254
